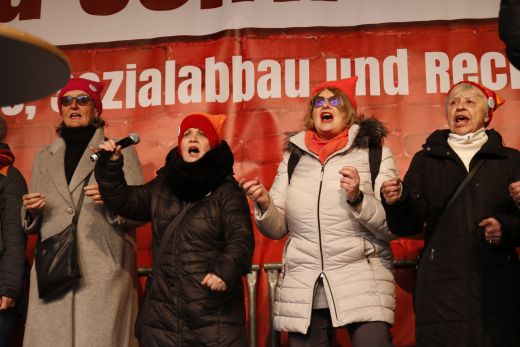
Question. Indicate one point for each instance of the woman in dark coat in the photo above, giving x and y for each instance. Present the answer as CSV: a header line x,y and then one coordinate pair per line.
x,y
196,297
468,280
12,240
509,28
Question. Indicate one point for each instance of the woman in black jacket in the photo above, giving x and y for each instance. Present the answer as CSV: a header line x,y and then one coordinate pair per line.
x,y
509,28
12,240
196,296
468,280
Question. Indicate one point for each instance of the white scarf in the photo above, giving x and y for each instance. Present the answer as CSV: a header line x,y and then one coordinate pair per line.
x,y
467,145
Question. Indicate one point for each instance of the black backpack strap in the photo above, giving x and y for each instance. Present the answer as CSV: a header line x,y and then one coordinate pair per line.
x,y
294,158
375,154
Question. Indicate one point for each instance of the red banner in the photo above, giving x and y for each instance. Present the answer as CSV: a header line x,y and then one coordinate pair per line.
x,y
261,79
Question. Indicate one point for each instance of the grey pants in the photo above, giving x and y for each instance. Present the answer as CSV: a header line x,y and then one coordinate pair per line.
x,y
320,333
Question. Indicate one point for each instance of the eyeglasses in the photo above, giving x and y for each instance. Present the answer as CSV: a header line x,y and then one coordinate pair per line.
x,y
81,99
319,101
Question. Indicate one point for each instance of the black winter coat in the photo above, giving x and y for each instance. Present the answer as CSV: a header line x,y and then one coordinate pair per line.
x,y
509,27
467,291
215,236
12,254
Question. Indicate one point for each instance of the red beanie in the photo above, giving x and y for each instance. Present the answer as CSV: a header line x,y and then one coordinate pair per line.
x,y
493,100
210,124
92,88
346,85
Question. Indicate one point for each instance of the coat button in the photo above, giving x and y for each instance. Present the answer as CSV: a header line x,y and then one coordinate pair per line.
x,y
427,148
447,153
70,210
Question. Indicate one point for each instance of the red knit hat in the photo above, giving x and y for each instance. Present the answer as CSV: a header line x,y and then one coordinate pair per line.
x,y
210,124
493,100
346,85
92,88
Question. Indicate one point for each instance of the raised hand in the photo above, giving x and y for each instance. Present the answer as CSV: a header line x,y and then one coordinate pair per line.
x,y
350,182
391,190
256,192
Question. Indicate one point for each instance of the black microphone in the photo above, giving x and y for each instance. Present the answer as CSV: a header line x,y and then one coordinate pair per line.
x,y
131,139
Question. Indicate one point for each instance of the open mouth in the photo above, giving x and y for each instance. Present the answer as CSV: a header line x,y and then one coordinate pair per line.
x,y
193,150
461,118
327,117
75,116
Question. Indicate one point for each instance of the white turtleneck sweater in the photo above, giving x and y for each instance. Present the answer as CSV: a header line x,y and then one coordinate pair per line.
x,y
467,145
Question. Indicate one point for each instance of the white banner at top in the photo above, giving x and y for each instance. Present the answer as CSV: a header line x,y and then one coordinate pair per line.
x,y
64,22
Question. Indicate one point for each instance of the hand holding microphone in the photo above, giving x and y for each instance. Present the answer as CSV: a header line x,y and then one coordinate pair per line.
x,y
112,149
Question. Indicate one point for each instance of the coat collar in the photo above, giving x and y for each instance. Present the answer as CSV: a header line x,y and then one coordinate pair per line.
x,y
437,144
56,165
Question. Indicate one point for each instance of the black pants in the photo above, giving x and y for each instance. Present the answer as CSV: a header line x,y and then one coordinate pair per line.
x,y
320,333
7,321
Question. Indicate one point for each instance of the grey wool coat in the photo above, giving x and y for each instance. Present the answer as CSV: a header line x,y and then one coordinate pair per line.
x,y
101,311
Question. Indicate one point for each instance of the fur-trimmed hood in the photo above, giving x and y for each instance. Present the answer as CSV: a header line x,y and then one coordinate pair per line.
x,y
371,133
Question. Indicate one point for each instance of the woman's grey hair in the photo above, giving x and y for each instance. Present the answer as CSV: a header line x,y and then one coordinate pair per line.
x,y
463,87
3,128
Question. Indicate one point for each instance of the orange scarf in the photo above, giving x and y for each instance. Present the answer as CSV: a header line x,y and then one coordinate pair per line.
x,y
324,148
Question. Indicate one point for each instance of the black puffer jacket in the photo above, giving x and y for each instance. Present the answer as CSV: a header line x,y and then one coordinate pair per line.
x,y
215,236
467,290
12,254
509,26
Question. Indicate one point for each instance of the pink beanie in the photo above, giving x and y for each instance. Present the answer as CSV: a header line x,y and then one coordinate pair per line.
x,y
92,88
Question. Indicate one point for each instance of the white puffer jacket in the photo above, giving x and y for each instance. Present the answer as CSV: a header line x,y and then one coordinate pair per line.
x,y
327,238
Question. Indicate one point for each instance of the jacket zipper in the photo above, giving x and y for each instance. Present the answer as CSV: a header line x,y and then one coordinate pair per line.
x,y
322,274
318,215
177,286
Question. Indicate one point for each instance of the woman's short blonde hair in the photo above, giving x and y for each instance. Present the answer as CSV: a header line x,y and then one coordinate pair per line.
x,y
345,107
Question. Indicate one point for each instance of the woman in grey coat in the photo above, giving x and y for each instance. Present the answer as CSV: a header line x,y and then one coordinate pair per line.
x,y
101,309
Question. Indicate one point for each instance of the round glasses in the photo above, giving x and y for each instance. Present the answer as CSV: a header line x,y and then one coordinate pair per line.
x,y
319,101
82,99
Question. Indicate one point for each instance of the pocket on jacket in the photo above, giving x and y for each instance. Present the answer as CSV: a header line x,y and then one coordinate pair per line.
x,y
114,265
285,266
369,249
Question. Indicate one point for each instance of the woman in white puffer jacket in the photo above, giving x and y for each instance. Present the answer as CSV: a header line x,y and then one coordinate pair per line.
x,y
337,261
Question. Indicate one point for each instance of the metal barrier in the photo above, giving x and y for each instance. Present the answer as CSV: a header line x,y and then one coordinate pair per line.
x,y
272,270
252,279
